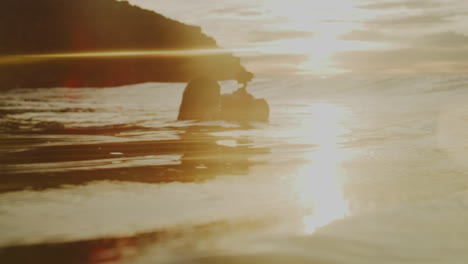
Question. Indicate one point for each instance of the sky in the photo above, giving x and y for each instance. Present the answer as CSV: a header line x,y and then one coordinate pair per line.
x,y
324,37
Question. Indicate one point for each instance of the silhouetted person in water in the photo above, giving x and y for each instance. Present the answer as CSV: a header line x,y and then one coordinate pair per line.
x,y
243,106
202,100
243,78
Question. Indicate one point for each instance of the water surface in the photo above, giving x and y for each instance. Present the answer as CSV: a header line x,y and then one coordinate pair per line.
x,y
348,170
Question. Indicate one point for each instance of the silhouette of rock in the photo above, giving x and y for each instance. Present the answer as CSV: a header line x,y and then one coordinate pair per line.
x,y
201,100
70,26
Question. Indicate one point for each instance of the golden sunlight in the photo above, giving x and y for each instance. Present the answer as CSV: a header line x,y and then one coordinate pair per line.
x,y
318,184
327,21
319,50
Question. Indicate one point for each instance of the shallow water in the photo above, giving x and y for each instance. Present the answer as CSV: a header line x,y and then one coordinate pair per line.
x,y
348,170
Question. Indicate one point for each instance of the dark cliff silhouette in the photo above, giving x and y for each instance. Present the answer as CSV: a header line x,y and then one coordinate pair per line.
x,y
70,26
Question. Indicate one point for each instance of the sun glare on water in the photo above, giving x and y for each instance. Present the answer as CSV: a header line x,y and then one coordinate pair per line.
x,y
327,22
318,184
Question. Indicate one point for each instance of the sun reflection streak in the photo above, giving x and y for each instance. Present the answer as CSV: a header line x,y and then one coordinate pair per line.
x,y
318,183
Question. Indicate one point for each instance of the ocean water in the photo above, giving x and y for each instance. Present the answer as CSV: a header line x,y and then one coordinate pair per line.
x,y
348,170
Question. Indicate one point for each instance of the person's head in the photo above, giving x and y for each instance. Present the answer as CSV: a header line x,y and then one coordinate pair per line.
x,y
244,77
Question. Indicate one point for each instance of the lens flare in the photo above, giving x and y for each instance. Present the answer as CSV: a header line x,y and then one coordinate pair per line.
x,y
31,58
